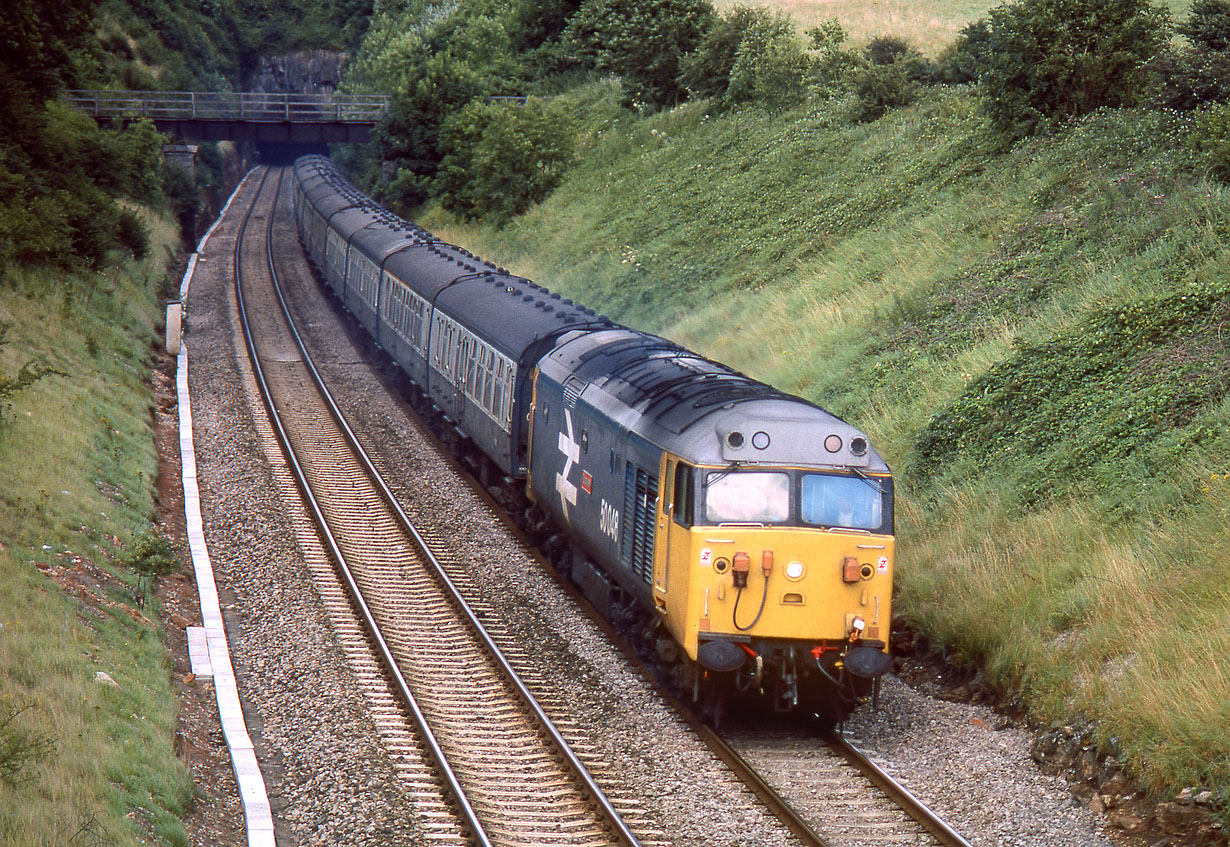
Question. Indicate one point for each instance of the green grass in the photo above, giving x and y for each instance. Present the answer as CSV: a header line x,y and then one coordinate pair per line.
x,y
77,466
1034,338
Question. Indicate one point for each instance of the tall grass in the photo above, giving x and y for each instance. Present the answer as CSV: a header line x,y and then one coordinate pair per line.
x,y
930,26
76,474
912,275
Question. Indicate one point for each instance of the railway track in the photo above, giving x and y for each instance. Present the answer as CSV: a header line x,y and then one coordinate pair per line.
x,y
477,765
484,760
831,787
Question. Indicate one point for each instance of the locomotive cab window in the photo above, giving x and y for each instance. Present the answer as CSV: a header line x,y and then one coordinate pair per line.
x,y
681,502
747,497
831,500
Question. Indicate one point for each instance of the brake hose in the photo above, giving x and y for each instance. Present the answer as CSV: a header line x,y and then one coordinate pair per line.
x,y
734,618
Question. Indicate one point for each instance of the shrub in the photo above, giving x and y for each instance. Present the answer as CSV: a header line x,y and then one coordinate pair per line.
x,y
892,77
132,234
879,88
1191,78
501,158
1054,60
643,41
1211,138
736,38
833,69
770,67
965,59
1208,25
150,554
1200,74
19,747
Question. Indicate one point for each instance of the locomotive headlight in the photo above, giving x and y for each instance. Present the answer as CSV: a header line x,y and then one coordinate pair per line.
x,y
795,571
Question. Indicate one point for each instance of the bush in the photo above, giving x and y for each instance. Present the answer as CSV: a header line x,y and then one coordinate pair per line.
x,y
132,234
502,158
643,41
770,67
963,62
1054,60
1208,25
19,748
1200,74
752,48
1211,138
892,77
150,554
1192,78
879,88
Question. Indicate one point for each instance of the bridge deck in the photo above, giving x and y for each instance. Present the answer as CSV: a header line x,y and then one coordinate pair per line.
x,y
240,115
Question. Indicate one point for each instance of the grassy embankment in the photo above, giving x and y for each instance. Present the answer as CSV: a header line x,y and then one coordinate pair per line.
x,y
1036,339
88,762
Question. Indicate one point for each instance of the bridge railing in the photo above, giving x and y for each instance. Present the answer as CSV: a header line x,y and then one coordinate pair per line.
x,y
230,106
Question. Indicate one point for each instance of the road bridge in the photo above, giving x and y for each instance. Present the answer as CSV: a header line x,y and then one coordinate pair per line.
x,y
240,116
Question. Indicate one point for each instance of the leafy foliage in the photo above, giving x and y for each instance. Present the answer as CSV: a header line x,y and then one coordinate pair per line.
x,y
1054,60
150,554
770,68
1199,74
1211,138
502,158
643,41
893,76
963,61
1208,25
749,54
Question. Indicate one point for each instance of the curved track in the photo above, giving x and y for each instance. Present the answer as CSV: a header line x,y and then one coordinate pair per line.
x,y
499,766
481,760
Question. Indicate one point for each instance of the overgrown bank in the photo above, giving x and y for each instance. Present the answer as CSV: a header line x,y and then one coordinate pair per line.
x,y
1034,336
87,709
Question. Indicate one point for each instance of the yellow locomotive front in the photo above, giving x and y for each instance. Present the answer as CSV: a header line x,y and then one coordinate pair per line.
x,y
777,580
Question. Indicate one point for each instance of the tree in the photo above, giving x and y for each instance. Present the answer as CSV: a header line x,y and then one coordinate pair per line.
x,y
749,55
643,41
501,158
1054,60
1208,25
1199,74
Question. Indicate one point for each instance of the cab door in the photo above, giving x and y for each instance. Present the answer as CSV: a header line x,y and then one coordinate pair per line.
x,y
674,523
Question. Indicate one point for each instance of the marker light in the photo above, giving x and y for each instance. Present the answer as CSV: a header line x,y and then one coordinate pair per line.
x,y
856,627
794,570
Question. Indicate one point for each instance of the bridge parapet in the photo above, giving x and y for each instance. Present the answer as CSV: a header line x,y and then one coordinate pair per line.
x,y
230,106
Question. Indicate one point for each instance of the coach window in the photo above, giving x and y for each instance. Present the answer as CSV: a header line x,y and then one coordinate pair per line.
x,y
682,501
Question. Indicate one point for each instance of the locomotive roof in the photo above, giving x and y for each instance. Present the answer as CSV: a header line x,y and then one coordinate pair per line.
x,y
511,313
699,408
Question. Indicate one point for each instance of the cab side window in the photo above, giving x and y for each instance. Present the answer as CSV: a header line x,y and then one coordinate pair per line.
x,y
681,501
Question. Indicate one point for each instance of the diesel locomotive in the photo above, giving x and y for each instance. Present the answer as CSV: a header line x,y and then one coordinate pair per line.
x,y
743,534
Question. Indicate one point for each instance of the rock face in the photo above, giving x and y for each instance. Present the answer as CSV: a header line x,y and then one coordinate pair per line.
x,y
305,72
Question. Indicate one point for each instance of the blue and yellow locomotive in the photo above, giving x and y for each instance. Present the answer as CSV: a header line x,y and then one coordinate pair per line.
x,y
748,533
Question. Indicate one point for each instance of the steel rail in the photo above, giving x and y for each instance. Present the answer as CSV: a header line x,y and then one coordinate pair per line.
x,y
540,715
543,720
454,784
756,783
912,806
